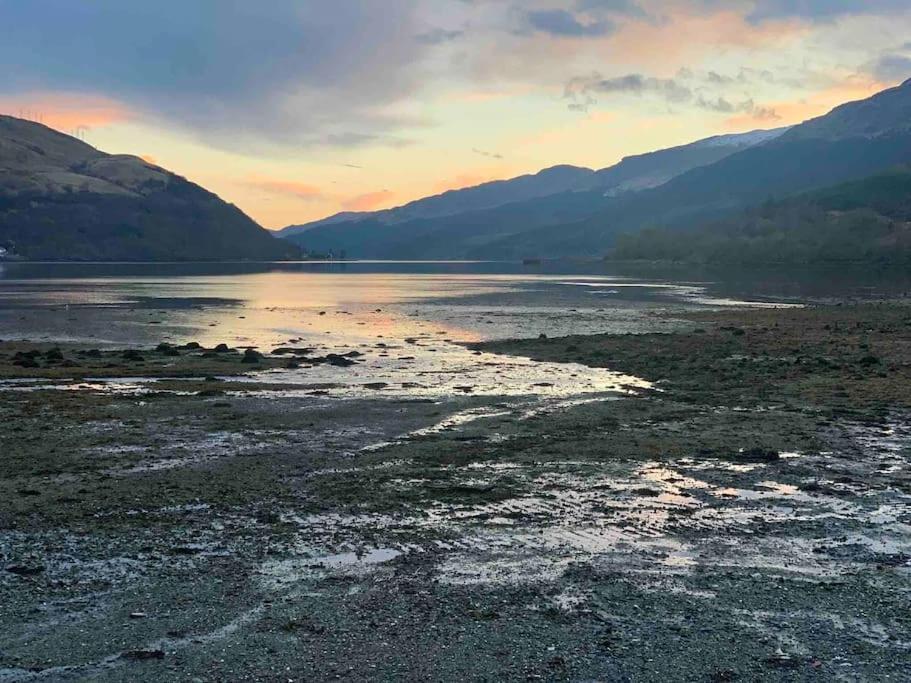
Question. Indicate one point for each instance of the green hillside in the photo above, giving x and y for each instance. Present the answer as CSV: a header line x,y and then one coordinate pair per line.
x,y
863,221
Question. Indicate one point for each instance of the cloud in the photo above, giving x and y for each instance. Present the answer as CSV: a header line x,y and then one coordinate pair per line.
x,y
438,36
290,73
582,90
747,107
628,8
66,112
818,10
368,201
483,153
561,23
289,188
687,89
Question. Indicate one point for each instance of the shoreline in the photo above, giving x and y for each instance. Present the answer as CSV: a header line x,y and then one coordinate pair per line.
x,y
723,527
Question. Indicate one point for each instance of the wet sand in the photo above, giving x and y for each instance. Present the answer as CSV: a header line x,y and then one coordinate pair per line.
x,y
740,514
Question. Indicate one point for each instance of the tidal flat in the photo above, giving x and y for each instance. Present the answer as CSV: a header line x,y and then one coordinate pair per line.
x,y
740,511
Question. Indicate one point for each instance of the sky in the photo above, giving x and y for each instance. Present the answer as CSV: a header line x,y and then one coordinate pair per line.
x,y
297,109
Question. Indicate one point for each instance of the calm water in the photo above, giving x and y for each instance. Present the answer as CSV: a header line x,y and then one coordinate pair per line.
x,y
406,317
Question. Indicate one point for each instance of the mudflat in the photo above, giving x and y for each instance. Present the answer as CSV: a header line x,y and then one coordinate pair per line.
x,y
745,518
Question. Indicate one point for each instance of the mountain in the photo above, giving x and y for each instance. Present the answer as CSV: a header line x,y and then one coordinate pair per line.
x,y
853,141
645,171
445,225
62,199
486,195
868,221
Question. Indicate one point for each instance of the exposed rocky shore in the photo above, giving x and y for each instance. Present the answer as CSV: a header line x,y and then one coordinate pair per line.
x,y
746,519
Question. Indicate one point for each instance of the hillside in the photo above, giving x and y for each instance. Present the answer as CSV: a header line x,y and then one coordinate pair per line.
x,y
863,221
855,140
467,220
61,199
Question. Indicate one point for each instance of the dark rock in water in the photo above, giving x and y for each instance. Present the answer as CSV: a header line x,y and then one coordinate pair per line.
x,y
756,455
186,550
132,355
784,661
292,365
191,346
142,655
93,353
291,350
222,348
25,570
337,360
376,385
208,393
353,354
867,361
251,356
542,336
651,493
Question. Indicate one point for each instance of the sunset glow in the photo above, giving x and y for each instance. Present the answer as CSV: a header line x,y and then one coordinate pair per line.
x,y
402,100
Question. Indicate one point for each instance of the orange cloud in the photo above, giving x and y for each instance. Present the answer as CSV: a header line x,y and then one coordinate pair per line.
x,y
797,111
67,112
688,34
290,188
368,201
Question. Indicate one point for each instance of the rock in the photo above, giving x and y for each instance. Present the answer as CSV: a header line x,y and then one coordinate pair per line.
x,y
340,361
133,356
290,350
191,346
251,356
142,655
756,455
54,354
222,348
376,386
25,570
167,349
542,336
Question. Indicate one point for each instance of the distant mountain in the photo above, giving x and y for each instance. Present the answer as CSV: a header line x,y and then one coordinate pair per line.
x,y
484,196
466,220
853,141
645,171
61,199
868,220
342,217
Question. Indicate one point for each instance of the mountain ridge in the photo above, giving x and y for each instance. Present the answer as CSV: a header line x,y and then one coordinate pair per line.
x,y
631,174
851,141
62,199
